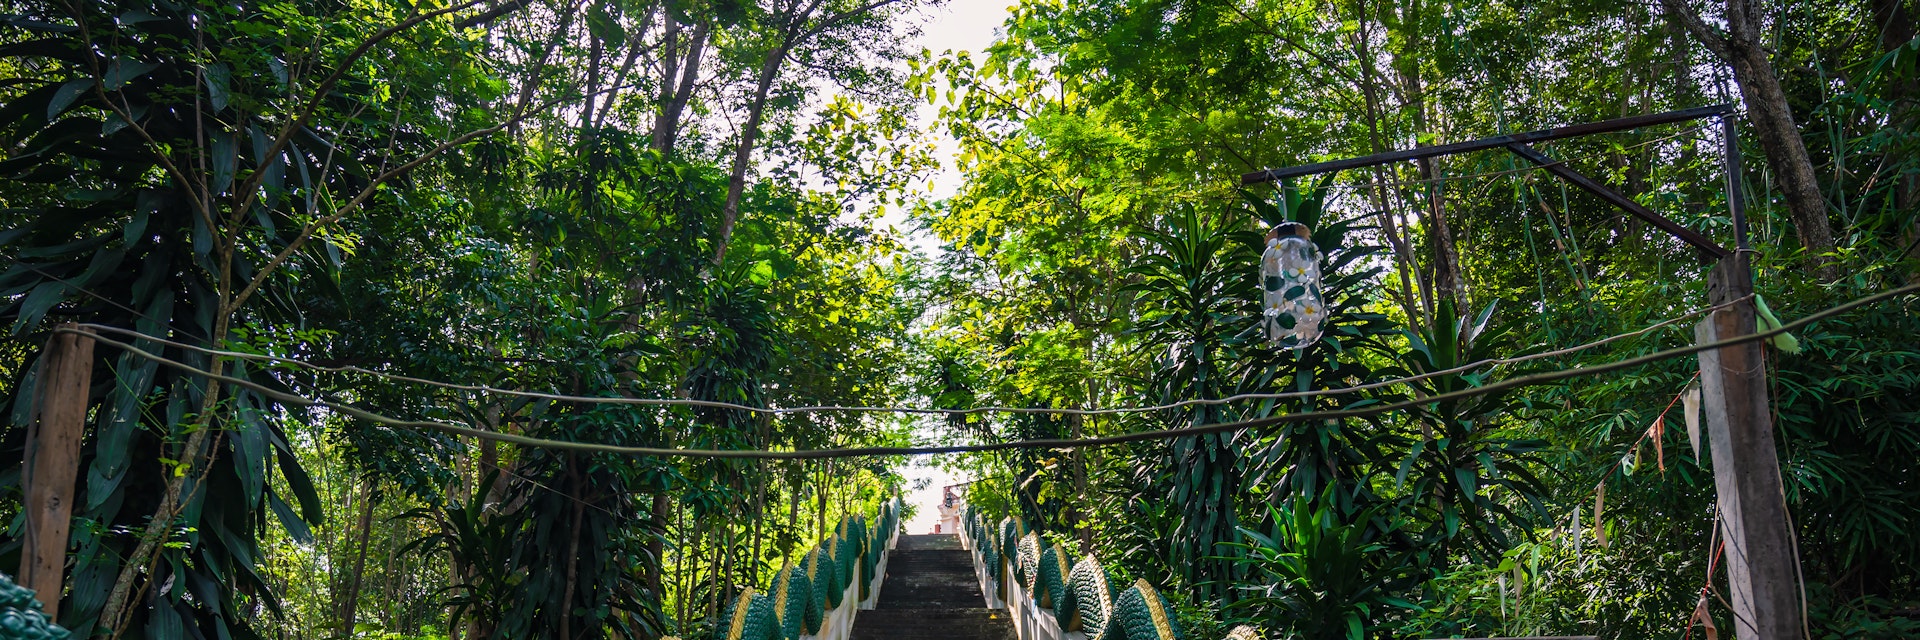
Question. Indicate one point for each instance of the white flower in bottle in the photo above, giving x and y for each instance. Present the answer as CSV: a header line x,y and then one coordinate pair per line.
x,y
1292,309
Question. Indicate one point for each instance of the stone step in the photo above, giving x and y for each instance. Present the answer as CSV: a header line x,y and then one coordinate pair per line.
x,y
931,593
929,541
916,624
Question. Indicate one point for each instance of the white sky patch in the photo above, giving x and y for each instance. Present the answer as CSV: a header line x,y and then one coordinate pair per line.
x,y
960,25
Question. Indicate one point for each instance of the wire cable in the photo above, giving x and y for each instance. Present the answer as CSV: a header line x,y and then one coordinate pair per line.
x,y
1038,443
1356,186
1490,362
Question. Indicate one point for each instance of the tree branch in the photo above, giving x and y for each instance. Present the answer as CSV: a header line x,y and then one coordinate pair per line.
x,y
360,199
838,18
1680,13
285,137
487,17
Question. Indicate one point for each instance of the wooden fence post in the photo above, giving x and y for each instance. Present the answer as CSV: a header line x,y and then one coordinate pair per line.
x,y
52,463
1746,468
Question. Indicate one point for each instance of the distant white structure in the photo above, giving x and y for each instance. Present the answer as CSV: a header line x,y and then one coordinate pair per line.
x,y
951,502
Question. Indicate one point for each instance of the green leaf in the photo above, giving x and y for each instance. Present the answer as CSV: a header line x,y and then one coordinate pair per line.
x,y
218,76
41,300
296,527
226,160
123,71
66,95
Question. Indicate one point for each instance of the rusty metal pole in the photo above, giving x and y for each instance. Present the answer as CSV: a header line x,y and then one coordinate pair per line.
x,y
52,462
1761,565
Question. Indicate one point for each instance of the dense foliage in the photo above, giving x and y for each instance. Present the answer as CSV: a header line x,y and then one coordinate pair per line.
x,y
523,195
1101,254
596,199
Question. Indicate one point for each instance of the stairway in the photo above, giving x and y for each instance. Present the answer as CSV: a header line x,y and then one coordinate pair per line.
x,y
930,593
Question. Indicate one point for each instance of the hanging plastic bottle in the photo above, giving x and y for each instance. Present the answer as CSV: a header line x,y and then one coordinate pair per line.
x,y
1292,309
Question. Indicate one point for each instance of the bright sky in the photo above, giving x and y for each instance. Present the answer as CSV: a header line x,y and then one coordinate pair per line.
x,y
960,25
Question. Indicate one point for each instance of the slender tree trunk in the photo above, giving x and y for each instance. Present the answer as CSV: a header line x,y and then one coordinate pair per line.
x,y
1896,21
716,582
726,563
1771,119
759,511
1389,227
794,30
681,564
573,553
1448,281
657,547
1773,123
821,500
1080,462
795,475
677,89
595,49
350,600
669,72
743,152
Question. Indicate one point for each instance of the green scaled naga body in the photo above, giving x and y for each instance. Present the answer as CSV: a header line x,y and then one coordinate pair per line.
x,y
1027,562
1009,545
750,618
20,615
1055,589
1141,614
852,535
834,578
1095,598
815,572
792,602
988,552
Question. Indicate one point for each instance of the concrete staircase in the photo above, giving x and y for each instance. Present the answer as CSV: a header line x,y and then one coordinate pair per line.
x,y
930,593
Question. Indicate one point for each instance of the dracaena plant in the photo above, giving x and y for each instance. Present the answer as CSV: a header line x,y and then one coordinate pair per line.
x,y
1302,459
1195,290
1462,471
1321,575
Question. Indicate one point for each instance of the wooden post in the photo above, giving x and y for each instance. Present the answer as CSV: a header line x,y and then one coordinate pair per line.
x,y
1761,565
52,463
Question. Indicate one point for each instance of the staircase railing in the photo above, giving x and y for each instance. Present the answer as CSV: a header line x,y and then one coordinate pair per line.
x,y
1051,596
818,597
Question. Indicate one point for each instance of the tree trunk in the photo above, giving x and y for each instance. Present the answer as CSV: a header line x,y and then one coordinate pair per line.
x,y
1896,30
820,524
1417,315
1772,122
681,564
1448,282
759,507
657,547
794,477
676,93
350,600
743,153
716,583
573,556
